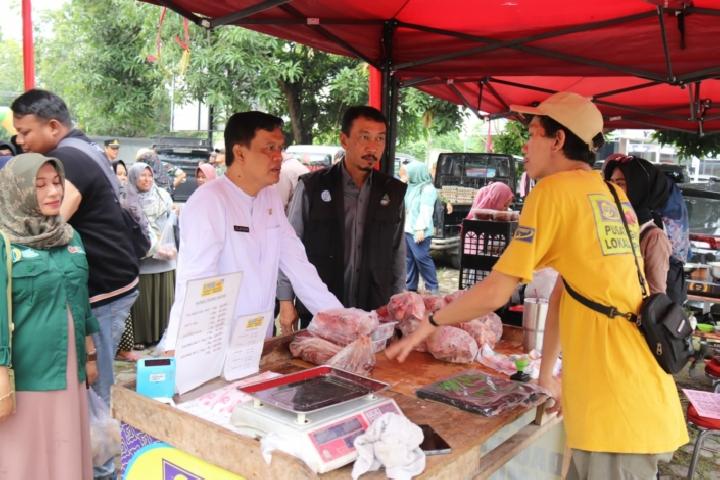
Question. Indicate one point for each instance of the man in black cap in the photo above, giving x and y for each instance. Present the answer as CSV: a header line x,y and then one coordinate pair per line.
x,y
112,149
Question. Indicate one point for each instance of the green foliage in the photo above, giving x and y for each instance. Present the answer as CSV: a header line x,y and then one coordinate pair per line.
x,y
511,139
11,80
96,60
690,145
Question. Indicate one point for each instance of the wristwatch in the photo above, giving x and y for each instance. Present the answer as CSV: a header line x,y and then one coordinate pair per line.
x,y
92,356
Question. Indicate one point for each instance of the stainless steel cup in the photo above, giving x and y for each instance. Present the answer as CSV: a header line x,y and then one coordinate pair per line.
x,y
533,322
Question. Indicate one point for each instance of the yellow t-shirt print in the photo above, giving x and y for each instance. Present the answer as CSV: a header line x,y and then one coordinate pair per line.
x,y
610,230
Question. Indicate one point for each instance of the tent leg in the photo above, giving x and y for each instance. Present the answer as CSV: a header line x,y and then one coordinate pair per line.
x,y
390,92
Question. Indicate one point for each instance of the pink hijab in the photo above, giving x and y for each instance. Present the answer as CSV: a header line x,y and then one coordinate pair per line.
x,y
208,170
491,197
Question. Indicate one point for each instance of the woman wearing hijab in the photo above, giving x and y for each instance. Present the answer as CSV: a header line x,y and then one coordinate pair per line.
x,y
50,348
157,270
495,196
647,189
204,173
419,208
127,341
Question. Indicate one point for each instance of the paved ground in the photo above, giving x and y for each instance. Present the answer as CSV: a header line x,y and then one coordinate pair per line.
x,y
709,464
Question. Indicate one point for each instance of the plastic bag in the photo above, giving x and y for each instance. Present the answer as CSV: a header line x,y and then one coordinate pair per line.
x,y
406,306
452,344
104,430
433,303
166,248
313,349
486,330
343,326
480,393
358,357
542,284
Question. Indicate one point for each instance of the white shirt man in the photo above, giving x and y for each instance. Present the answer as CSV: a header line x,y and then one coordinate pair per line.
x,y
237,223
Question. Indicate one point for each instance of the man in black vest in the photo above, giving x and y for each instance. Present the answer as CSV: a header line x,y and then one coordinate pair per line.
x,y
350,218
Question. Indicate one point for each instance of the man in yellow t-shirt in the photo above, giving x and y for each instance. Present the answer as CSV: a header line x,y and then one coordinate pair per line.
x,y
621,410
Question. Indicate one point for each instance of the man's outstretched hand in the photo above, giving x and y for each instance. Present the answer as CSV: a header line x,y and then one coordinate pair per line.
x,y
400,350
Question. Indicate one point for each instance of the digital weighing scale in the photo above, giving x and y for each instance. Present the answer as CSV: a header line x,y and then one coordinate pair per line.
x,y
320,411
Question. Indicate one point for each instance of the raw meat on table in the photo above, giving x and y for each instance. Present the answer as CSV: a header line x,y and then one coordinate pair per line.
x,y
313,349
485,330
406,306
433,303
358,357
384,315
343,325
452,344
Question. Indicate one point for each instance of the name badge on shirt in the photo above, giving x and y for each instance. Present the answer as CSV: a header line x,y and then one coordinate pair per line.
x,y
241,228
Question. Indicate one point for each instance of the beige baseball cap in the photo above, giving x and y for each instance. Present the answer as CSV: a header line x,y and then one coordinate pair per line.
x,y
574,112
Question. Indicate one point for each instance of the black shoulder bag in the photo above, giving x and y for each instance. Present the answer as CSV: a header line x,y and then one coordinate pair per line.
x,y
662,322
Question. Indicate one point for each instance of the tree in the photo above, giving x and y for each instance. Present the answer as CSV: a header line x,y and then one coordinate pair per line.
x,y
511,139
11,80
313,87
96,60
690,145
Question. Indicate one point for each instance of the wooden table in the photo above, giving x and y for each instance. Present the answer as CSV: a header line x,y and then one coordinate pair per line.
x,y
480,445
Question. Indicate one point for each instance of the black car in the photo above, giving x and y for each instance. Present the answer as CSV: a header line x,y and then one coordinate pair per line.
x,y
186,159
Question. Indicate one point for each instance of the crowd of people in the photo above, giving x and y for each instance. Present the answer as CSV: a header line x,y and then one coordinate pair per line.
x,y
87,287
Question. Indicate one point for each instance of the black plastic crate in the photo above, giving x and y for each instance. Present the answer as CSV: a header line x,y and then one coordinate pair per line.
x,y
481,244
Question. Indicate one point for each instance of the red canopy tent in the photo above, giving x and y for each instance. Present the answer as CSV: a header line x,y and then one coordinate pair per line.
x,y
647,63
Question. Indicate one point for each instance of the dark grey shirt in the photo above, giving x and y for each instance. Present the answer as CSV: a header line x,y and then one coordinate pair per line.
x,y
355,203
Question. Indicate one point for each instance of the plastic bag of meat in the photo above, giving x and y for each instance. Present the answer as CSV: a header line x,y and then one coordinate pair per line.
x,y
384,315
406,305
485,330
358,357
313,349
449,298
452,344
343,325
433,303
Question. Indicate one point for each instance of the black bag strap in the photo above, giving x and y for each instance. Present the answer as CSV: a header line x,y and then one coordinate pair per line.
x,y
612,312
641,279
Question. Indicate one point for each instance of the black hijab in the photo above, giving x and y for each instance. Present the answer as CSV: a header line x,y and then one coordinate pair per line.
x,y
647,187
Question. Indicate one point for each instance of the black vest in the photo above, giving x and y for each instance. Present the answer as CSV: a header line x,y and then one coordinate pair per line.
x,y
324,231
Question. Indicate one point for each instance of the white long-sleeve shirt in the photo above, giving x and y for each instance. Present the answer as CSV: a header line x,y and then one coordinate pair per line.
x,y
224,230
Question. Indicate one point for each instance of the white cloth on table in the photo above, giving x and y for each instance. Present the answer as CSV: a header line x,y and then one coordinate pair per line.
x,y
225,230
391,441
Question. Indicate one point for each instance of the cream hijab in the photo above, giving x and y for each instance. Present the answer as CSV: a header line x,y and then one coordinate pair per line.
x,y
20,216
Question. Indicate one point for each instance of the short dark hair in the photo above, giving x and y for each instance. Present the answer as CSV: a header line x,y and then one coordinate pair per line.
x,y
43,104
358,111
241,128
574,148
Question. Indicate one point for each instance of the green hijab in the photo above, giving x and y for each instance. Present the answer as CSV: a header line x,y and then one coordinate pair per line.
x,y
20,216
418,178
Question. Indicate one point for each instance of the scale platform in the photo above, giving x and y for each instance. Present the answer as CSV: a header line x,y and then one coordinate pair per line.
x,y
319,412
